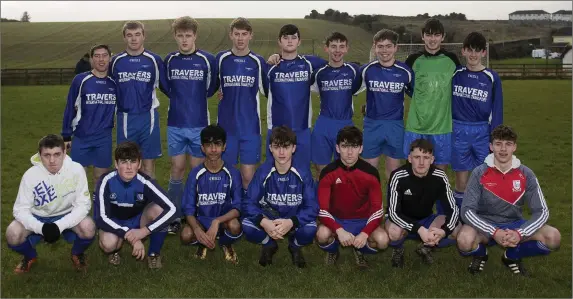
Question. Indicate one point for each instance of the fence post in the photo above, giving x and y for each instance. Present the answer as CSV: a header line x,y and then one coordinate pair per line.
x,y
523,71
61,76
27,77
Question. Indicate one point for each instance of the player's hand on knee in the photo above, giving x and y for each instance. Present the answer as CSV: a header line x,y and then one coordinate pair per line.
x,y
203,239
360,240
345,238
212,233
283,226
220,94
500,237
68,145
134,235
512,238
51,232
138,250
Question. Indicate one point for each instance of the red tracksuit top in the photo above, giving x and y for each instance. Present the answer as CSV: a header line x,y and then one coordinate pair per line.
x,y
350,193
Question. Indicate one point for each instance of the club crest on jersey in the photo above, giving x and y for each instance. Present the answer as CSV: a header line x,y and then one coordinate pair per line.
x,y
139,197
338,181
516,186
113,196
292,186
225,185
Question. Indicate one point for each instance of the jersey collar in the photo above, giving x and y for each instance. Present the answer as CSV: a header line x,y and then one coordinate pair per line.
x,y
426,53
341,165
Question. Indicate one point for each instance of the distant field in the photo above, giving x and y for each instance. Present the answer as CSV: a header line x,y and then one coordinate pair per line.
x,y
526,60
539,110
43,45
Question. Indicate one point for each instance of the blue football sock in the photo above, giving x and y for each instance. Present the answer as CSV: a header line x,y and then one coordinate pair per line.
x,y
526,249
269,242
459,196
175,193
228,239
331,247
156,241
481,250
446,242
25,249
398,243
80,245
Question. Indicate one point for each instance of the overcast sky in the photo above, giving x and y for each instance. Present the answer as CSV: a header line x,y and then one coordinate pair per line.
x,y
67,11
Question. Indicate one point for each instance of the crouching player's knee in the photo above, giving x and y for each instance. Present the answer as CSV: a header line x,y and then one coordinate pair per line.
x,y
305,234
467,238
187,236
549,236
16,233
324,235
233,226
109,242
379,239
86,228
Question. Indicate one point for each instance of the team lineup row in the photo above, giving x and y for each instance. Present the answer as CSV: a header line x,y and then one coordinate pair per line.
x,y
452,111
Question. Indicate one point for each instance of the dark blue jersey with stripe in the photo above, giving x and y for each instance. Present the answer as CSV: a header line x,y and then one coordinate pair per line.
x,y
192,80
477,96
90,107
336,85
137,78
115,199
210,194
287,196
385,88
289,100
241,79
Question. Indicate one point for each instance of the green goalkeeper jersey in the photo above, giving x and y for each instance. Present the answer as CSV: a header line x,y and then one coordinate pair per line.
x,y
431,106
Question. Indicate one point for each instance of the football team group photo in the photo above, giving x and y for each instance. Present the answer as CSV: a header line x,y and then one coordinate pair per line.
x,y
289,172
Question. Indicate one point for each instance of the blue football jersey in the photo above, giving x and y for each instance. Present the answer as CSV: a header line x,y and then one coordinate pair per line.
x,y
192,79
477,96
241,79
289,99
287,196
90,107
385,88
137,78
210,194
336,86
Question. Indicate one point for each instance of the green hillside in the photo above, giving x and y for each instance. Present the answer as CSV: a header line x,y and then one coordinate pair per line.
x,y
61,44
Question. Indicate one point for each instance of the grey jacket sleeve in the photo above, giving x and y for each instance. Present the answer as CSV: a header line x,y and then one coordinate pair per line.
x,y
537,205
470,204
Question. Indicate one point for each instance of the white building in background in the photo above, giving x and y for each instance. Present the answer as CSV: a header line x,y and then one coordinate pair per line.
x,y
562,15
533,15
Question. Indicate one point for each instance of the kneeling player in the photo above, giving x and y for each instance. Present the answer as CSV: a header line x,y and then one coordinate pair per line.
x,y
212,199
492,209
414,190
129,205
350,199
281,200
53,200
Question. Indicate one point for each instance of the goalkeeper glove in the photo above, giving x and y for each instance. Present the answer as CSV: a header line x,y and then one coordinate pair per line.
x,y
51,232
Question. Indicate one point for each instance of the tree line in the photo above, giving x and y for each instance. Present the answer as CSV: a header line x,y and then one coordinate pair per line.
x,y
25,18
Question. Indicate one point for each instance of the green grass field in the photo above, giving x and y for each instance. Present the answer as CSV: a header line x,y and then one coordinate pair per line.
x,y
63,44
526,60
544,145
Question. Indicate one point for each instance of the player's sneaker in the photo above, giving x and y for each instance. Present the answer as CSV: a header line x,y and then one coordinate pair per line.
x,y
174,227
360,260
79,262
114,259
331,258
267,253
297,257
230,254
154,261
516,266
478,263
398,257
25,265
425,253
201,252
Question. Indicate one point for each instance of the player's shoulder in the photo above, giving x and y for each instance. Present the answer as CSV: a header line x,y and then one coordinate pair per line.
x,y
222,53
233,171
493,75
369,65
403,67
413,57
526,171
452,56
401,172
329,168
368,169
301,170
171,54
118,55
81,76
438,174
206,53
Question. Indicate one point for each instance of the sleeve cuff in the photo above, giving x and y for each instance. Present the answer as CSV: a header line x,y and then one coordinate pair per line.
x,y
415,228
295,222
446,229
257,220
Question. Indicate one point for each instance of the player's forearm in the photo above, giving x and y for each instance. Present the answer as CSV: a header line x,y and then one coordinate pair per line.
x,y
193,222
232,214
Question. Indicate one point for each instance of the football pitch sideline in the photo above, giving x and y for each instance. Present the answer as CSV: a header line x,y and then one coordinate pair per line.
x,y
539,110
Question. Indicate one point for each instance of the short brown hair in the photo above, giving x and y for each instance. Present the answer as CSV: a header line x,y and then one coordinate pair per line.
x,y
386,34
282,136
241,24
97,47
425,146
503,132
184,24
335,36
127,150
51,141
132,25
